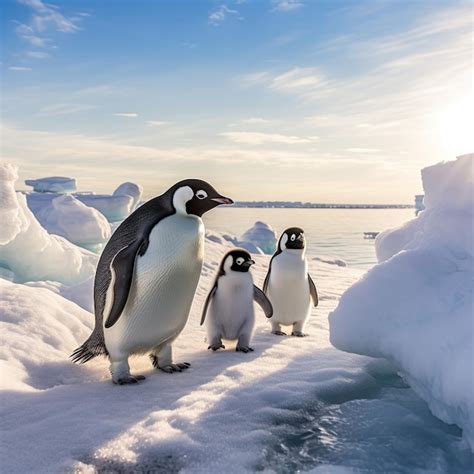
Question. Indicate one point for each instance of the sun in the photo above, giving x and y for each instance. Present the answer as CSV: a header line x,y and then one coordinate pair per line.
x,y
456,127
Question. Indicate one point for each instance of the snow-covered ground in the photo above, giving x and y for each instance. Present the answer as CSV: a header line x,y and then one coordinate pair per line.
x,y
294,403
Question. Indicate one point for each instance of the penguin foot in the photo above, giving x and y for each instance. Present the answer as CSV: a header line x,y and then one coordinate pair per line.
x,y
216,347
169,369
279,333
298,334
243,349
129,379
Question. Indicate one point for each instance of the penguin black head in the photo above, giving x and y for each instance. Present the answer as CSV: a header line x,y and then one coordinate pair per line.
x,y
195,197
237,260
292,238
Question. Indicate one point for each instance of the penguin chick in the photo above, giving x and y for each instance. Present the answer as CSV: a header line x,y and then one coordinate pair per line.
x,y
288,284
229,304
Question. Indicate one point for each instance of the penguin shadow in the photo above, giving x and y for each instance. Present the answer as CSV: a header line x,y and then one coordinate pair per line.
x,y
93,413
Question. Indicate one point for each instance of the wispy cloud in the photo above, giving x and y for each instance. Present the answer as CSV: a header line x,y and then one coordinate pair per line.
x,y
217,16
258,138
37,54
254,78
298,78
362,150
126,114
256,121
20,68
287,5
64,109
157,123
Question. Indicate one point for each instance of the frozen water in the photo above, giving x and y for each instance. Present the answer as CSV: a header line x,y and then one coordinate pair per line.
x,y
52,184
416,308
114,208
26,248
70,218
130,189
262,236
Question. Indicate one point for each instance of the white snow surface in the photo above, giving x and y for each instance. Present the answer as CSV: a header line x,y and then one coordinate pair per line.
x,y
53,184
28,250
416,306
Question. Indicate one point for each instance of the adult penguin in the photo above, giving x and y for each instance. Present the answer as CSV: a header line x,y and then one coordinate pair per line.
x,y
146,279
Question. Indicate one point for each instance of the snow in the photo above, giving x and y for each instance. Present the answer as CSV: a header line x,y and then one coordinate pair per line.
x,y
130,189
80,224
416,306
295,404
53,184
27,250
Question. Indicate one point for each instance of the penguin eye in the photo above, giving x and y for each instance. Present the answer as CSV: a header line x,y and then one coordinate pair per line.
x,y
201,194
293,237
240,260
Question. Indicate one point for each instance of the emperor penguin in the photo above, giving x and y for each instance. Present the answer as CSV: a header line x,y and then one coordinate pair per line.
x,y
229,304
288,284
146,279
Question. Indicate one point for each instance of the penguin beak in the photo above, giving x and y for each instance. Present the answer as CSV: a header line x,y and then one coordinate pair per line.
x,y
300,237
249,263
222,200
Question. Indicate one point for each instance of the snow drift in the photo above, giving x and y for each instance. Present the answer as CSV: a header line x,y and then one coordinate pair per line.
x,y
78,223
26,248
416,306
261,235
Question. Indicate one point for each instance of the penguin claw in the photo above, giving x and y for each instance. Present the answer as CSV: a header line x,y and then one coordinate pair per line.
x,y
243,349
129,379
279,333
169,369
216,347
298,334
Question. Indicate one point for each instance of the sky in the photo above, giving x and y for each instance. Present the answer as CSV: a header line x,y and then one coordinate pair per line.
x,y
331,101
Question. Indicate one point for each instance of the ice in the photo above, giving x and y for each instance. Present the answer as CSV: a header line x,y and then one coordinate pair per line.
x,y
70,218
53,184
262,236
130,189
28,250
416,307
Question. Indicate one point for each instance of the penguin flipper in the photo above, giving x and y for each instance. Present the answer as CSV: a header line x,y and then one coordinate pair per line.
x,y
122,269
207,302
313,292
261,299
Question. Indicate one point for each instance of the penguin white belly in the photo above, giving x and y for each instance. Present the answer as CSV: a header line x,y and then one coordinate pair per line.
x,y
232,306
162,289
288,288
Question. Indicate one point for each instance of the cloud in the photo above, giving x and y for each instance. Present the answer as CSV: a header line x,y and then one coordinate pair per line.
x,y
156,123
257,138
37,54
126,114
217,16
64,109
298,78
362,150
287,5
20,68
254,78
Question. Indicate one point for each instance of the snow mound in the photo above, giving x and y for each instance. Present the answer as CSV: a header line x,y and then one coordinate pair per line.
x,y
52,184
114,208
260,235
26,248
38,330
331,260
70,218
416,307
133,190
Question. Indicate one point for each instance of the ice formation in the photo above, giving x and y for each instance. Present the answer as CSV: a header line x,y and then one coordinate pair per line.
x,y
78,223
27,249
262,236
53,184
416,306
130,189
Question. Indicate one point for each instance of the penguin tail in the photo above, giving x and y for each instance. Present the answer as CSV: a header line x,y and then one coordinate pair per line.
x,y
93,347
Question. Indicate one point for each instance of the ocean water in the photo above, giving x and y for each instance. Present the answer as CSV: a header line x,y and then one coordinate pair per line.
x,y
329,232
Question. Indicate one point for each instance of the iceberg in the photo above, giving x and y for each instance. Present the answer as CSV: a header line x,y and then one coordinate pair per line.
x,y
415,307
78,223
260,235
27,250
52,184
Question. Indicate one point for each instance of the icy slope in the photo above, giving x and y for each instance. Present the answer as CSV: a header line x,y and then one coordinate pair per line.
x,y
416,307
26,248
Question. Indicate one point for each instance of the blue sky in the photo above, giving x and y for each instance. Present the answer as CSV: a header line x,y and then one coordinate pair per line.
x,y
328,101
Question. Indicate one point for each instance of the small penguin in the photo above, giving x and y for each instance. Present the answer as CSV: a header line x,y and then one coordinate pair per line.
x,y
146,279
230,303
288,284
